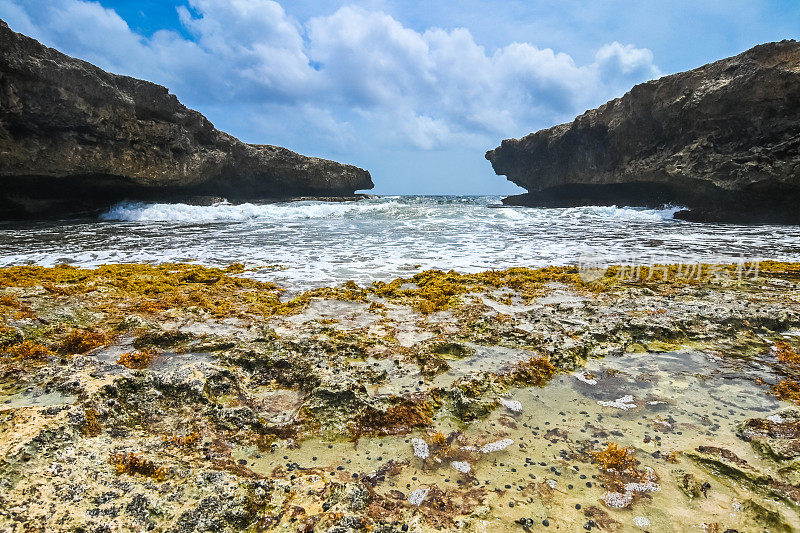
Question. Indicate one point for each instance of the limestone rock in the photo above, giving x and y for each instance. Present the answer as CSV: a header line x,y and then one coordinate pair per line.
x,y
722,140
76,138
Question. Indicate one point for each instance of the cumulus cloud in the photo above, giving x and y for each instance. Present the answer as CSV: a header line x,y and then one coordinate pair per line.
x,y
352,73
619,62
257,42
91,31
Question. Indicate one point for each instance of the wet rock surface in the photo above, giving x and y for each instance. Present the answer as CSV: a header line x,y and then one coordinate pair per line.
x,y
74,138
185,398
777,436
721,140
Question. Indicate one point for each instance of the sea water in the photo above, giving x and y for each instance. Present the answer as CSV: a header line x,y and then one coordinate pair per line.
x,y
308,244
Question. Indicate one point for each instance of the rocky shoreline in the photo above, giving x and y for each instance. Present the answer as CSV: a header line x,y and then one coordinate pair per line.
x,y
75,139
188,398
721,140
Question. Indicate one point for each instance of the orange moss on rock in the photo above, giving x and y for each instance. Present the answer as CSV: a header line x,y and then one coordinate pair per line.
x,y
405,415
22,309
788,390
29,350
786,354
617,460
348,291
434,290
9,337
138,360
83,340
91,426
535,371
132,464
779,268
181,440
151,288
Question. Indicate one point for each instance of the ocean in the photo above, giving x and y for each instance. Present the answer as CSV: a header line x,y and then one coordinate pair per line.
x,y
302,245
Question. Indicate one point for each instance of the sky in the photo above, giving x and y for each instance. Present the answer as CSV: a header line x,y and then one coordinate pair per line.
x,y
415,92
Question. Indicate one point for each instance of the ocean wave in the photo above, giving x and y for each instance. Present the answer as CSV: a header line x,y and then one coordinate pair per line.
x,y
587,214
226,212
626,214
322,243
395,208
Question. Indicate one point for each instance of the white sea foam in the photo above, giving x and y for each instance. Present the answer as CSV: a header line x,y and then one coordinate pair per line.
x,y
381,239
622,213
394,206
227,212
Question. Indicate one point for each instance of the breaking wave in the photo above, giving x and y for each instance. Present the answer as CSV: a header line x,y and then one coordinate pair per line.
x,y
392,207
226,212
320,243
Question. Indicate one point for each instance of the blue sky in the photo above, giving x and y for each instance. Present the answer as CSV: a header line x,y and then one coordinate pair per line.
x,y
415,92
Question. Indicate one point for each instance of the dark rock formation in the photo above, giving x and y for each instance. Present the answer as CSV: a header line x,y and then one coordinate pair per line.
x,y
723,140
74,137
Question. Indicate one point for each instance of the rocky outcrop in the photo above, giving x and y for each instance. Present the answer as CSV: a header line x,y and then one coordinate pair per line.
x,y
722,140
74,137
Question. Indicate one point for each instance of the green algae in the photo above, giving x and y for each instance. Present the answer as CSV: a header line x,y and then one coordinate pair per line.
x,y
325,407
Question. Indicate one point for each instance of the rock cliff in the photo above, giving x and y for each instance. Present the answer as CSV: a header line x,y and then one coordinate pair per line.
x,y
74,137
722,140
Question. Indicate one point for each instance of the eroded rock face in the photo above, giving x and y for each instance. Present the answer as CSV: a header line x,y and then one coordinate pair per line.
x,y
74,137
723,140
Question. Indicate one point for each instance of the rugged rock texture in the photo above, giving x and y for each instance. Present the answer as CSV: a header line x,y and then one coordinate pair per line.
x,y
74,137
723,140
182,398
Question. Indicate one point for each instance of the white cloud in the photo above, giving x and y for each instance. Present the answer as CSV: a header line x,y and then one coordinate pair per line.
x,y
106,38
624,62
354,75
256,41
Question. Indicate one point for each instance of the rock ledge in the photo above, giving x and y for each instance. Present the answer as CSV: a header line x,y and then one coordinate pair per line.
x,y
74,138
722,140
